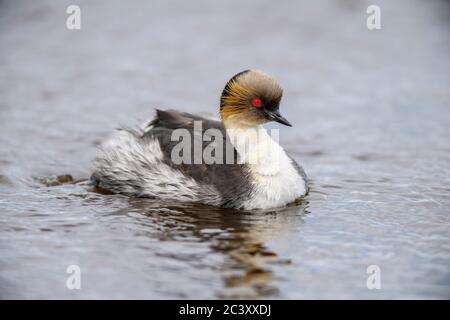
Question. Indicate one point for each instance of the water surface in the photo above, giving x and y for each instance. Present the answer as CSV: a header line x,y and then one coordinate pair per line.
x,y
371,116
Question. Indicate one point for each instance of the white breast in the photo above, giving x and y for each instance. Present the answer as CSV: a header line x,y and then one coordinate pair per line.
x,y
275,179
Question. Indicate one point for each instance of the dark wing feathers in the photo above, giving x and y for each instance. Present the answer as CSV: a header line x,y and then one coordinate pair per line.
x,y
231,180
173,119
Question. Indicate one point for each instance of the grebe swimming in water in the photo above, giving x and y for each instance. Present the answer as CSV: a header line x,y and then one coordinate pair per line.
x,y
140,163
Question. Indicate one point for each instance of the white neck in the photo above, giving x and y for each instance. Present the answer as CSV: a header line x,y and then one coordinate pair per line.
x,y
275,180
257,148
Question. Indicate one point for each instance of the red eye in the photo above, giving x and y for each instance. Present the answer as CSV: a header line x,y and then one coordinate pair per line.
x,y
257,102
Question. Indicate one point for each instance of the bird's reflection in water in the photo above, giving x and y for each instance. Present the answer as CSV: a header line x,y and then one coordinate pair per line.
x,y
237,235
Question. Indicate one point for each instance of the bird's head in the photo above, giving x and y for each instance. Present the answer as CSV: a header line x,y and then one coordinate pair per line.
x,y
251,98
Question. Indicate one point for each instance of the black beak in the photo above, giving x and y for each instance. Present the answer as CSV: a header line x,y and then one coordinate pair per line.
x,y
277,117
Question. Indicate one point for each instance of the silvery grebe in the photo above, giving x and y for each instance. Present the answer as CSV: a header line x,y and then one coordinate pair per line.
x,y
260,176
